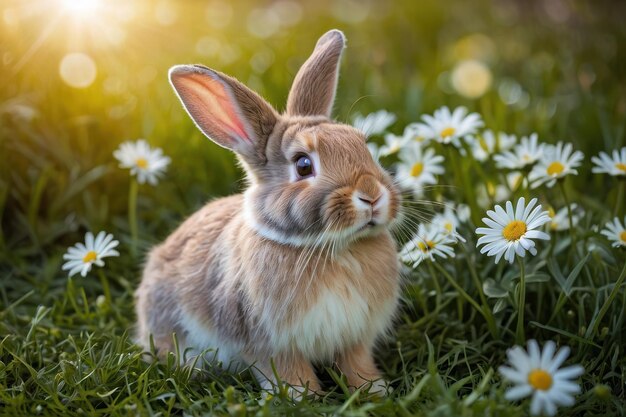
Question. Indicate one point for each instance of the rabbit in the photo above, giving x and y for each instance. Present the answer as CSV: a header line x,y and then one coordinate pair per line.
x,y
300,269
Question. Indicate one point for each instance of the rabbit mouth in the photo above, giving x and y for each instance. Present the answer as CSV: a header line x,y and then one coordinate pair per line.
x,y
367,227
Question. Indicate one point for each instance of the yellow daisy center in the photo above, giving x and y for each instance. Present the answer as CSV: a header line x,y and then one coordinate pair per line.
x,y
551,212
419,138
555,168
448,226
426,246
540,379
90,256
620,166
142,163
622,236
447,132
416,169
514,230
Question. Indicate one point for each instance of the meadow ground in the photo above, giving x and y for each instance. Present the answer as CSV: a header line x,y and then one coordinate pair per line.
x,y
555,68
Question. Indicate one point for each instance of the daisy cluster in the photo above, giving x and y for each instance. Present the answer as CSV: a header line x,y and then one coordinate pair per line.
x,y
437,237
147,164
513,227
525,164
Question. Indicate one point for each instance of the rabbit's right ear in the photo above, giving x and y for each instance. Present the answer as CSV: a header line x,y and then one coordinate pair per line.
x,y
225,110
313,90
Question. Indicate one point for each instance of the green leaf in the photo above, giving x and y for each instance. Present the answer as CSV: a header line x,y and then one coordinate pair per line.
x,y
554,269
567,287
492,289
500,305
537,277
565,333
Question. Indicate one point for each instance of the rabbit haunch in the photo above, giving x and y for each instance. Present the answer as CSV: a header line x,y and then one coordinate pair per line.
x,y
296,269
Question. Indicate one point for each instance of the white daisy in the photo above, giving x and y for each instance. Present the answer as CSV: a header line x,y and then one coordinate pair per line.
x,y
559,220
447,127
616,232
418,167
393,144
615,166
523,155
82,256
146,163
489,193
556,162
487,143
374,123
417,132
497,193
537,373
450,220
374,150
514,180
511,232
429,242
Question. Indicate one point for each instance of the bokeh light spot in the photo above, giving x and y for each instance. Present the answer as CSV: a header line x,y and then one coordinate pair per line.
x,y
471,78
263,23
262,60
10,17
219,14
289,12
350,11
165,13
475,47
208,46
77,70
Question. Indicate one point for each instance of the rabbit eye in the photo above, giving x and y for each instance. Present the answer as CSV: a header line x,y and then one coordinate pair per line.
x,y
304,166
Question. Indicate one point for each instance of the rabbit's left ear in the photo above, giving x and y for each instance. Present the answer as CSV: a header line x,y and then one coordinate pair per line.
x,y
313,90
225,110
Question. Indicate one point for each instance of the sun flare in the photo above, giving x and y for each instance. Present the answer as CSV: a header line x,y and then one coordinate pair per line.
x,y
81,8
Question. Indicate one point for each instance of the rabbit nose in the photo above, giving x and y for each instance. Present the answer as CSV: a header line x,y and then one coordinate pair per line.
x,y
368,190
369,200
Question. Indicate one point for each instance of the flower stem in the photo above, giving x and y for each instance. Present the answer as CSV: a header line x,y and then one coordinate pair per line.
x,y
620,196
435,283
570,215
105,286
460,289
593,328
521,304
132,214
491,321
464,180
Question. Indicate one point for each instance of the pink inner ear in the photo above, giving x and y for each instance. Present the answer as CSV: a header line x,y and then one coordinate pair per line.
x,y
217,107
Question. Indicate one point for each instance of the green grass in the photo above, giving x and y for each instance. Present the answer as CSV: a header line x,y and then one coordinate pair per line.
x,y
66,344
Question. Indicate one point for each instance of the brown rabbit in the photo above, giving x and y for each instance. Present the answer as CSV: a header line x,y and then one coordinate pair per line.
x,y
299,269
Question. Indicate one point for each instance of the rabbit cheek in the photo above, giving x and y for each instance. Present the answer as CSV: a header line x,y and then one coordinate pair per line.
x,y
339,210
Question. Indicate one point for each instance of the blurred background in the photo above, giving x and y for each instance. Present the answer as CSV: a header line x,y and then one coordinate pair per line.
x,y
81,76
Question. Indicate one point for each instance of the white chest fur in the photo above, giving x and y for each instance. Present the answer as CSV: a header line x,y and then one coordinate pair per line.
x,y
336,320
